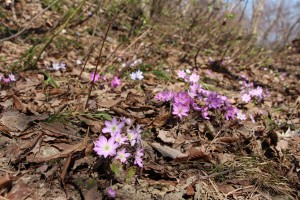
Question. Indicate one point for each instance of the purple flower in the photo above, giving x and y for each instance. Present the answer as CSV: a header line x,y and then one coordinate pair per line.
x,y
122,155
203,92
180,110
214,100
6,80
111,193
113,127
94,77
105,147
246,98
204,113
181,74
164,96
230,113
138,157
182,98
115,82
195,106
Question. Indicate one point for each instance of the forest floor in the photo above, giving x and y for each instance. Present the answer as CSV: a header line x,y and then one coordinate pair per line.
x,y
47,133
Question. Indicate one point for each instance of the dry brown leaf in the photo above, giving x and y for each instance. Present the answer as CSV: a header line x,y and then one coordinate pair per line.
x,y
168,151
76,148
19,105
59,129
225,157
229,139
5,181
93,194
19,192
190,190
162,118
95,124
16,121
195,154
109,103
166,136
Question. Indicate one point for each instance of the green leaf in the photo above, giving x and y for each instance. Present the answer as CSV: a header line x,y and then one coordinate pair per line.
x,y
160,74
51,80
130,174
115,168
103,115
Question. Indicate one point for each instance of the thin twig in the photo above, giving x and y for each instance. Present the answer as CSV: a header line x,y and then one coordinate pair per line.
x,y
88,57
99,58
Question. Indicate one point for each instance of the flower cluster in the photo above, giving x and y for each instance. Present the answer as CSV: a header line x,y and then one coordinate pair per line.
x,y
249,92
115,82
197,98
57,66
119,139
7,79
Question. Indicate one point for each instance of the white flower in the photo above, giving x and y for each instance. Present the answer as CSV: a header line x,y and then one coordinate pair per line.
x,y
138,75
241,116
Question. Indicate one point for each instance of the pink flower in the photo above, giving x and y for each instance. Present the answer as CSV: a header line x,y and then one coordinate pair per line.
x,y
6,80
105,147
126,120
111,193
122,155
138,157
115,82
194,78
246,98
182,98
180,110
12,77
258,92
132,136
164,96
181,74
113,127
119,139
94,77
